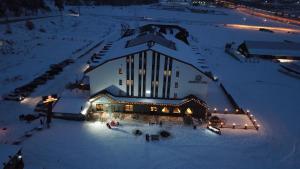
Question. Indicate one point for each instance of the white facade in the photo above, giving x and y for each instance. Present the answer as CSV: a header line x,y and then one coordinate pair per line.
x,y
148,74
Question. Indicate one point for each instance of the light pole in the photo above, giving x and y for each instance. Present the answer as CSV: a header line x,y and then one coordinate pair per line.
x,y
48,100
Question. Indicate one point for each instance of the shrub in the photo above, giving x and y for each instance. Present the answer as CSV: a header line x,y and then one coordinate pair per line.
x,y
29,25
137,132
164,134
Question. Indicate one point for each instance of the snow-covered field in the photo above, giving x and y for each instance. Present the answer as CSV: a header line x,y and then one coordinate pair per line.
x,y
272,96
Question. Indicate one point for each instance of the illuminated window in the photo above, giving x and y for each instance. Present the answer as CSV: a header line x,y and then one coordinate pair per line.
x,y
169,72
128,107
129,82
165,110
176,110
153,108
165,72
188,111
142,71
99,107
120,71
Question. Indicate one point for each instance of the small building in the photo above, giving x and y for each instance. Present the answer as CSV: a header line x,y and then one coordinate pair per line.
x,y
149,74
105,104
270,50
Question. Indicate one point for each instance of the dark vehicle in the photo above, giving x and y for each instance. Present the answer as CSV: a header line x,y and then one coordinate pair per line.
x,y
69,61
56,67
40,80
48,76
13,96
26,88
265,30
52,72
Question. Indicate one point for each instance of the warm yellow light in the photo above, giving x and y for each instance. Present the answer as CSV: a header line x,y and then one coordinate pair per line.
x,y
188,111
252,27
165,110
176,110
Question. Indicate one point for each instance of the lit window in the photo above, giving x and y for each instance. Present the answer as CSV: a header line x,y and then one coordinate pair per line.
x,y
176,110
165,110
120,82
129,82
170,72
165,72
99,107
188,111
128,107
120,71
153,108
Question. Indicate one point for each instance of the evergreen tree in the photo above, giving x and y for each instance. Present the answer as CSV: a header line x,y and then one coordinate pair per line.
x,y
59,4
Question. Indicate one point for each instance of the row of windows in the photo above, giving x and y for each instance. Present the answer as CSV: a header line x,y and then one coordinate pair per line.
x,y
129,82
143,71
129,108
154,109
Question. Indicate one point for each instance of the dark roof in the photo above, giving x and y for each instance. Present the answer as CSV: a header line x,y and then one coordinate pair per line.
x,y
151,37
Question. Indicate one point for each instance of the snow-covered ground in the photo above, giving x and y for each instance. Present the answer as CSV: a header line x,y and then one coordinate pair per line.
x,y
270,95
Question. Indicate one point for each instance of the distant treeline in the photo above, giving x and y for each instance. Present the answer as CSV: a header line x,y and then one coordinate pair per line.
x,y
31,7
19,7
110,2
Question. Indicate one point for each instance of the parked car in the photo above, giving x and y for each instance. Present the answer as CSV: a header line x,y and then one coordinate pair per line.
x,y
48,75
56,67
52,72
14,96
26,88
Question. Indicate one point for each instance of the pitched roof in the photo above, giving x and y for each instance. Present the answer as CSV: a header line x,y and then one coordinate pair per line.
x,y
273,48
151,37
152,101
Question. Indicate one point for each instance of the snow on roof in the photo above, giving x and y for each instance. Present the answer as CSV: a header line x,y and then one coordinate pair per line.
x,y
183,52
135,100
146,100
7,150
273,48
157,38
71,102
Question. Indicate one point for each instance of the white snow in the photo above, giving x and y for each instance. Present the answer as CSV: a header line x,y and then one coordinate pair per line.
x,y
272,96
6,151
